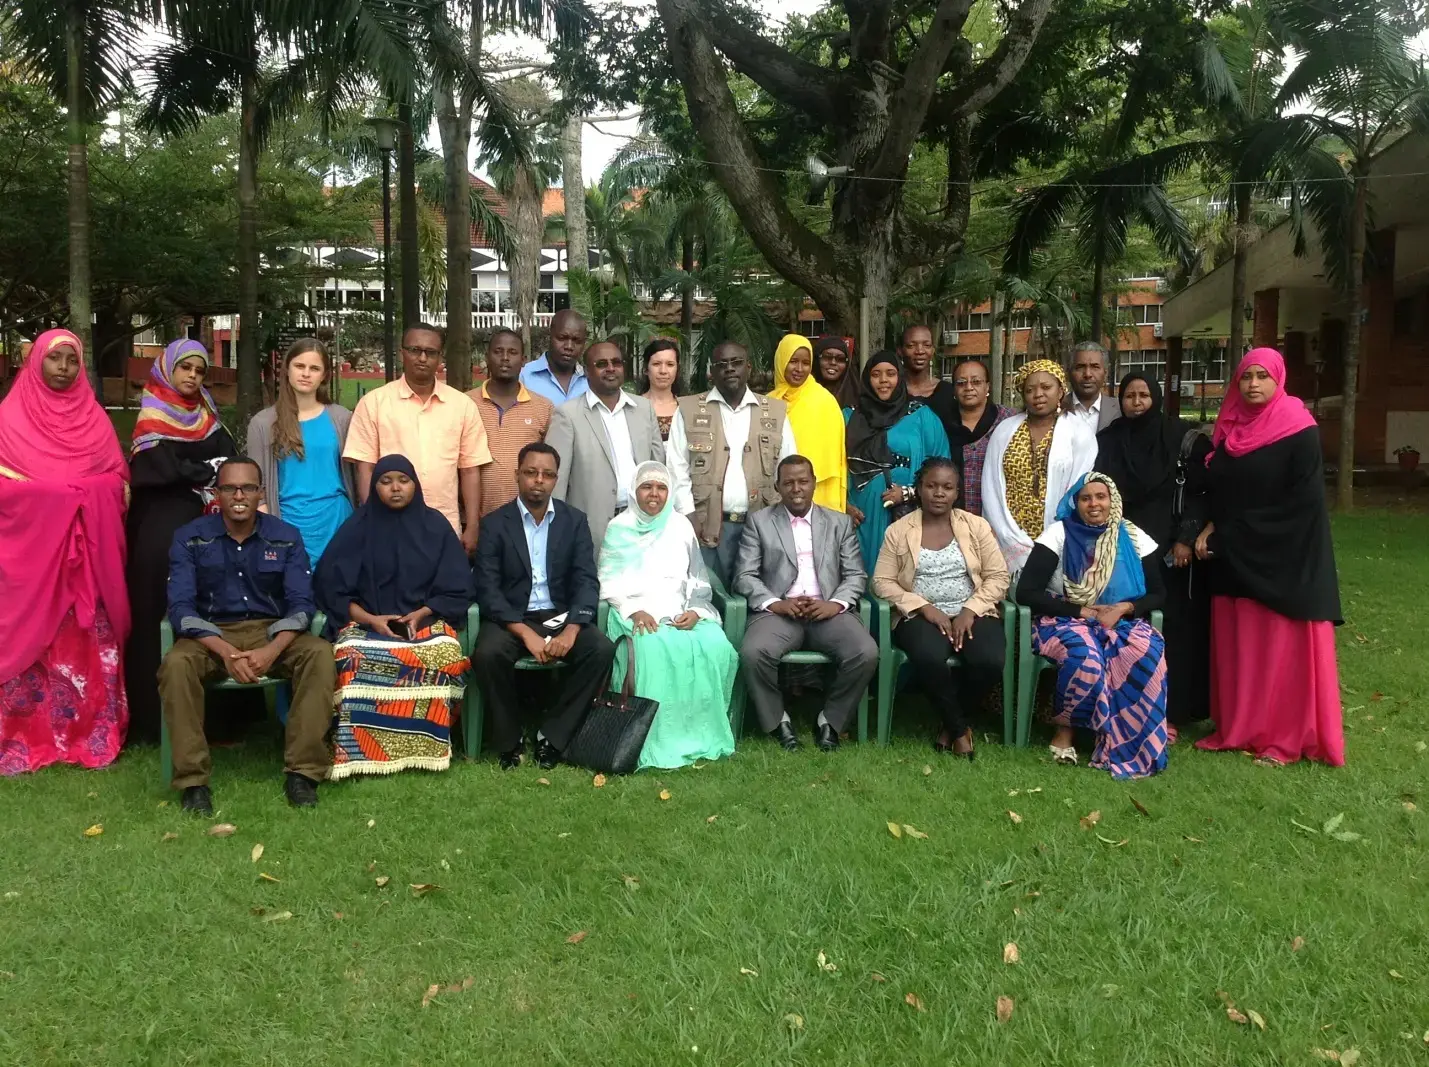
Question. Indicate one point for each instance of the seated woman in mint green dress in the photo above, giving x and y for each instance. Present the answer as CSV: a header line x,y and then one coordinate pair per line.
x,y
653,576
889,436
298,441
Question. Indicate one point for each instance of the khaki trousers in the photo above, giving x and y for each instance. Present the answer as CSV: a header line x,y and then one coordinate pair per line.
x,y
308,662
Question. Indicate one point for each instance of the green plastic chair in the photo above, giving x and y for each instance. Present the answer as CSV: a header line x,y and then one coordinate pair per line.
x,y
276,693
735,611
891,659
474,712
1030,667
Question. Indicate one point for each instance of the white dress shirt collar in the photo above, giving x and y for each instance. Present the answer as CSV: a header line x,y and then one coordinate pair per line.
x,y
626,400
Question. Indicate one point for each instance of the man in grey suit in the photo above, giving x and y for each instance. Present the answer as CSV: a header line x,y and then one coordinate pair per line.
x,y
602,437
799,567
1088,400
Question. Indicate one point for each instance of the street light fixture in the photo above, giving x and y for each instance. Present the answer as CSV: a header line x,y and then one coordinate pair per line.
x,y
385,130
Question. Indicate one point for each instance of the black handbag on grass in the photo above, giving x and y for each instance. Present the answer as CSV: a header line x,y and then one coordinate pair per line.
x,y
614,729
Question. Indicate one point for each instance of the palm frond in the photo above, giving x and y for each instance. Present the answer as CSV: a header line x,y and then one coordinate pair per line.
x,y
187,82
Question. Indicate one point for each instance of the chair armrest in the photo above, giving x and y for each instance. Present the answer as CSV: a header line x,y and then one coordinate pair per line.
x,y
166,638
602,613
319,624
734,610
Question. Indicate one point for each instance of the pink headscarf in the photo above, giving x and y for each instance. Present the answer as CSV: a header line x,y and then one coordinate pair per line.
x,y
1242,427
62,518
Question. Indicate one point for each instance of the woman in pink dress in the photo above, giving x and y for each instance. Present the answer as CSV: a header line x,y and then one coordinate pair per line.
x,y
1275,597
65,612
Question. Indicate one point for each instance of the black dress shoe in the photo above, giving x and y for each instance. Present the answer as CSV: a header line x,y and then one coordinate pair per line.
x,y
547,755
826,738
785,735
198,800
511,760
302,791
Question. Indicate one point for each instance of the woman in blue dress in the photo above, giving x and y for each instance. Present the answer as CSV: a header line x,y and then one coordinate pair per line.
x,y
298,441
889,436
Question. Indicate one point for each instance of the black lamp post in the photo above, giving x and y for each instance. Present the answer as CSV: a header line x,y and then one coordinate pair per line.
x,y
386,131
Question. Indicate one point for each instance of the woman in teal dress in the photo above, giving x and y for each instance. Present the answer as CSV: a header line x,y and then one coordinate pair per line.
x,y
653,576
890,434
298,442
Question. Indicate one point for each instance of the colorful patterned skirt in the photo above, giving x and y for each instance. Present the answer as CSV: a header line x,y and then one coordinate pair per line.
x,y
1112,682
69,707
395,700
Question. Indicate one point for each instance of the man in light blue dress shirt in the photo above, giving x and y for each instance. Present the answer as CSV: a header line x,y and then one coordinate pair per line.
x,y
558,375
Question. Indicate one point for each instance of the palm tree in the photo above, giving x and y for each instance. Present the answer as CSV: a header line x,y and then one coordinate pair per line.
x,y
79,48
1367,89
227,54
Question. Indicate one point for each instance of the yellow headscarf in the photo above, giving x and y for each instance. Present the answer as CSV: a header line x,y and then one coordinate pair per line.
x,y
817,422
1046,366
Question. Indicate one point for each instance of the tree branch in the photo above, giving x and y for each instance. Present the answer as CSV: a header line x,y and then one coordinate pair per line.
x,y
909,106
795,82
994,73
789,246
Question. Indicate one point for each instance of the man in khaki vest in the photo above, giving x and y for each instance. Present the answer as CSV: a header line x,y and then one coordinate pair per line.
x,y
715,494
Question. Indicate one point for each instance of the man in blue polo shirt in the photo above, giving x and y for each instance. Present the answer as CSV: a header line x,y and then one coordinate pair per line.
x,y
558,375
240,603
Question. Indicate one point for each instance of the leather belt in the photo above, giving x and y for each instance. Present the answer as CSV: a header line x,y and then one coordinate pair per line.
x,y
736,516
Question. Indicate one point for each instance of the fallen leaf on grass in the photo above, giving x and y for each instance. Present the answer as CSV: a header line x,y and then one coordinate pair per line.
x,y
1349,1057
566,834
1090,819
1004,1008
543,781
1109,841
712,818
1302,826
223,829
1256,1018
895,829
1376,696
1297,943
1333,823
170,836
1396,975
577,937
1109,990
598,781
1420,746
257,853
338,916
877,977
421,889
382,880
1016,819
95,830
1410,806
371,823
927,770
278,917
749,972
1329,1055
631,882
7,974
824,964
263,876
1010,953
1139,806
913,1000
1236,1016
911,832
664,794
1194,840
794,1022
432,991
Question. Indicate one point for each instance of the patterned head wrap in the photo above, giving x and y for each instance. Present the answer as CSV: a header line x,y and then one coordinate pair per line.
x,y
164,412
1046,366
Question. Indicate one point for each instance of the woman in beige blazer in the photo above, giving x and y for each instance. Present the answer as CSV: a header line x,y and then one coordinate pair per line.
x,y
944,574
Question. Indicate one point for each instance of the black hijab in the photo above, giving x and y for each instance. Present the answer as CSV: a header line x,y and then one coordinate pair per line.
x,y
1140,453
845,388
392,562
867,436
959,436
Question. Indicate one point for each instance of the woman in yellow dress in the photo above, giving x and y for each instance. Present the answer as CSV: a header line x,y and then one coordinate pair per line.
x,y
815,417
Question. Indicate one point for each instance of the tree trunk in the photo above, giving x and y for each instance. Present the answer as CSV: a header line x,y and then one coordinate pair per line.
x,y
527,225
994,349
407,226
573,183
249,369
687,289
1235,343
1113,345
1345,476
79,276
454,125
1098,291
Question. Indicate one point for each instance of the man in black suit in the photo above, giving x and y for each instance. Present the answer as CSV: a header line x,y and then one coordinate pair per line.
x,y
537,589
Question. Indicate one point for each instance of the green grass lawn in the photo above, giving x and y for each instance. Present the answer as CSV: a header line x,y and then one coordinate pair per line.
x,y
704,915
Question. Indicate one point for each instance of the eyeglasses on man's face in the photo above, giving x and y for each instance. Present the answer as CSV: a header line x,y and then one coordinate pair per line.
x,y
422,353
246,489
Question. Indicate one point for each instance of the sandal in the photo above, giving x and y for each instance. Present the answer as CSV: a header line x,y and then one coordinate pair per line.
x,y
1067,757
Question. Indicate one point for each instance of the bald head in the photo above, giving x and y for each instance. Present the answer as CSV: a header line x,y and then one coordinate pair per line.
x,y
568,337
729,370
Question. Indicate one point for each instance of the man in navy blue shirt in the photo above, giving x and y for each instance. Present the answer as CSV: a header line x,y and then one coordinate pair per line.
x,y
241,603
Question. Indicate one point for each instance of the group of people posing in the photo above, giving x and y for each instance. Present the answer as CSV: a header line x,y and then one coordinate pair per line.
x,y
343,552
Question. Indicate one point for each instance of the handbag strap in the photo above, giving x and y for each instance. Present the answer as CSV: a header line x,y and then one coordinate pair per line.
x,y
627,687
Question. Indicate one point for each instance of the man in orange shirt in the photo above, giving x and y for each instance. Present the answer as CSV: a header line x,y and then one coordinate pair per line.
x,y
435,426
514,417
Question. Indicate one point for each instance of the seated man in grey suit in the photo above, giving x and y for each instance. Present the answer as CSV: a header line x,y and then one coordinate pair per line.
x,y
800,568
602,436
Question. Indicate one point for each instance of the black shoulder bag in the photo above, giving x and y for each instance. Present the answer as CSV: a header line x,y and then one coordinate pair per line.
x,y
614,729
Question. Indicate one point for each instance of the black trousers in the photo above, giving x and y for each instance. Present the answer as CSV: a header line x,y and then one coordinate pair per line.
x,y
953,691
587,672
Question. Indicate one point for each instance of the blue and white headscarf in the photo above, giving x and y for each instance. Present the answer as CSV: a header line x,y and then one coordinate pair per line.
x,y
1100,564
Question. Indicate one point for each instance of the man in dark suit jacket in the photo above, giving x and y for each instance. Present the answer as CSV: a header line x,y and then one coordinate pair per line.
x,y
800,568
538,592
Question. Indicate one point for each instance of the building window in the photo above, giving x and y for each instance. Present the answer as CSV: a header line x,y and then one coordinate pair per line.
x,y
814,327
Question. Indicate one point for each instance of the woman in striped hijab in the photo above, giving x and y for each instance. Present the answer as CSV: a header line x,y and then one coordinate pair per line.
x,y
178,442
